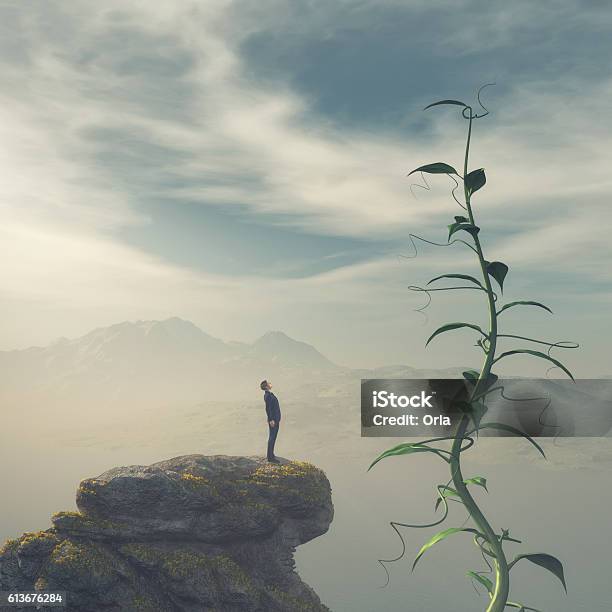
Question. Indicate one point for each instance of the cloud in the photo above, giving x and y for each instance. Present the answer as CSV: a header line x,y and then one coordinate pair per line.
x,y
240,143
108,106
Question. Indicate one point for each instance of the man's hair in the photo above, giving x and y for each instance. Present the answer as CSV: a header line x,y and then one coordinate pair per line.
x,y
263,385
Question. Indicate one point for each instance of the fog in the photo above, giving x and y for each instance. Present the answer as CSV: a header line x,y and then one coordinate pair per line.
x,y
560,506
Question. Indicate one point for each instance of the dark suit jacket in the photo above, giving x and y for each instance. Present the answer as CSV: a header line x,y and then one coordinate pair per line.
x,y
272,406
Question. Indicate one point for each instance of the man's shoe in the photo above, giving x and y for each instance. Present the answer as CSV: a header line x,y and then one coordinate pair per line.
x,y
273,460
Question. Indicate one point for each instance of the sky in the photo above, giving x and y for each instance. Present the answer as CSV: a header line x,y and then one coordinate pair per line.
x,y
243,165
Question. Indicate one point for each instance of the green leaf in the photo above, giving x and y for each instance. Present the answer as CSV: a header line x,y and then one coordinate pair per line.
x,y
537,354
475,180
445,491
506,537
475,409
485,385
460,219
552,564
466,277
491,380
479,409
513,430
486,583
435,168
523,303
471,376
498,271
406,448
451,326
477,480
521,607
468,227
441,535
455,102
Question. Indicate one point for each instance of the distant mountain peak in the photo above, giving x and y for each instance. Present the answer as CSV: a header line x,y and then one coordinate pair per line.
x,y
278,346
275,335
178,326
172,356
178,323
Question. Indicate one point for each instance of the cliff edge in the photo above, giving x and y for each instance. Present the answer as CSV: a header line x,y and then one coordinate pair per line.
x,y
193,533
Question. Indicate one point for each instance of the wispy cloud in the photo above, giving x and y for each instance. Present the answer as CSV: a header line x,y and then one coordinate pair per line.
x,y
104,107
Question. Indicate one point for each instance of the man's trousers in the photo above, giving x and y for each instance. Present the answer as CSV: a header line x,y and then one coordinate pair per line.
x,y
272,438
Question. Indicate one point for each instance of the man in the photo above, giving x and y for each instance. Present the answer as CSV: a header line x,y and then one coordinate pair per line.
x,y
274,415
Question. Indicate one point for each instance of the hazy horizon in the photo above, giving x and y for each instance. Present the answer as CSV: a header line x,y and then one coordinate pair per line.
x,y
520,370
244,167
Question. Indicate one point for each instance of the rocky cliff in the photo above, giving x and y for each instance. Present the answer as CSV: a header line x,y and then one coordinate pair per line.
x,y
194,533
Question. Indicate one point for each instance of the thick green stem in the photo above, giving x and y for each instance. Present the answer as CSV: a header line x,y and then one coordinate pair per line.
x,y
500,594
499,597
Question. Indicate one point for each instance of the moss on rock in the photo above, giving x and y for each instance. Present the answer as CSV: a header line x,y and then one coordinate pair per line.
x,y
78,562
144,603
184,564
34,543
88,487
295,480
76,521
194,532
289,602
194,479
10,546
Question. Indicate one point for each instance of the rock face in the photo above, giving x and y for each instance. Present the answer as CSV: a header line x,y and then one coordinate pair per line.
x,y
194,533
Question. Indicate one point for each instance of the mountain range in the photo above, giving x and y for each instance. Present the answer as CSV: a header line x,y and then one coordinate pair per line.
x,y
170,360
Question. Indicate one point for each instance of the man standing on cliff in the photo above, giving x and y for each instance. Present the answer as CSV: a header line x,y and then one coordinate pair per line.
x,y
273,414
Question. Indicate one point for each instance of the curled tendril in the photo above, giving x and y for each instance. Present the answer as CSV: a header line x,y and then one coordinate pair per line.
x,y
486,110
441,499
482,546
454,189
470,443
547,399
428,291
469,116
552,346
426,186
548,371
395,526
413,237
575,345
483,552
484,556
472,115
563,344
